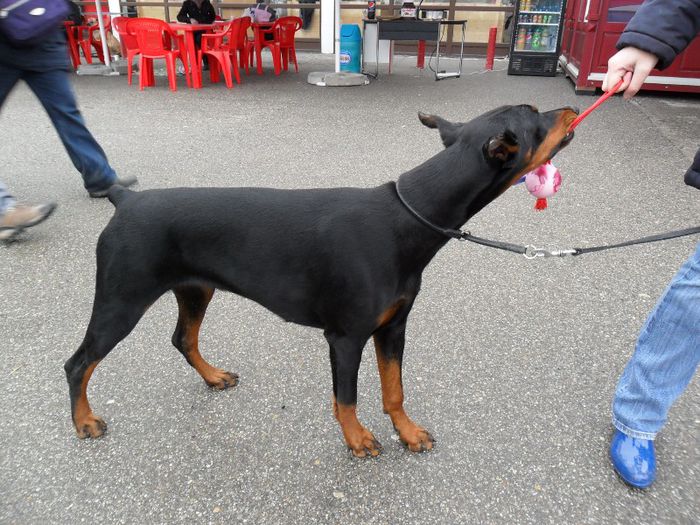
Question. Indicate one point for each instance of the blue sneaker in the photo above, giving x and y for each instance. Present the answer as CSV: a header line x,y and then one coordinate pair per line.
x,y
634,459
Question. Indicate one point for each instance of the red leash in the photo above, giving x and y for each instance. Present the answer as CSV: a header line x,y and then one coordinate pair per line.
x,y
597,103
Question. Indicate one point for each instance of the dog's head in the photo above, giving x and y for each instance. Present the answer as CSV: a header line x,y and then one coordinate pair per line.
x,y
510,140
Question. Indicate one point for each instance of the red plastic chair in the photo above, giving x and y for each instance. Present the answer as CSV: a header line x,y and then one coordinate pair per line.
x,y
221,45
127,38
286,28
154,38
244,45
281,45
86,38
73,51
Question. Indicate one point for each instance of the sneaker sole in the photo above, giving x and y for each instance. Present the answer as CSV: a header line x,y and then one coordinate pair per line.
x,y
10,234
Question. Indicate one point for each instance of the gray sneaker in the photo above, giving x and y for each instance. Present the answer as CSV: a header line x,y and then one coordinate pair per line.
x,y
20,216
125,182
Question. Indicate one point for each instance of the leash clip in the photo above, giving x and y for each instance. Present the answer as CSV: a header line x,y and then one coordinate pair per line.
x,y
532,252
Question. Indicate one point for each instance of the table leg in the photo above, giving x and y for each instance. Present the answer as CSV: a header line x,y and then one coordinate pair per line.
x,y
195,67
258,50
420,60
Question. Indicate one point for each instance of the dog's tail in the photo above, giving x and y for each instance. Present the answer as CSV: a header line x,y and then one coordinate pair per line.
x,y
117,194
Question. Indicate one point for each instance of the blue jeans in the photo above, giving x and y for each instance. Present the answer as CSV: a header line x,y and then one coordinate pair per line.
x,y
6,200
56,95
665,359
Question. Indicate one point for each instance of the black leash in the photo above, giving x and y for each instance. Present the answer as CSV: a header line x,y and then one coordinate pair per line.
x,y
529,251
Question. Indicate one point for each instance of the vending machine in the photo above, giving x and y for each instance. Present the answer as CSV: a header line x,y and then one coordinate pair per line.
x,y
536,39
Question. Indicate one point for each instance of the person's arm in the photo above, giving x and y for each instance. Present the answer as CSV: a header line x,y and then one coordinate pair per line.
x,y
657,33
183,14
208,13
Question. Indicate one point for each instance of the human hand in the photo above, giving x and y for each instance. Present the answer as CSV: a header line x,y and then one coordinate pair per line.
x,y
631,64
194,21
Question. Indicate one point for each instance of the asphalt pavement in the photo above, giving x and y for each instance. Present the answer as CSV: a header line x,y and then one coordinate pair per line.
x,y
510,363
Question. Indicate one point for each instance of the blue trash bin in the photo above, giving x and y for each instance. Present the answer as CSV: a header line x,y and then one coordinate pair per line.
x,y
350,48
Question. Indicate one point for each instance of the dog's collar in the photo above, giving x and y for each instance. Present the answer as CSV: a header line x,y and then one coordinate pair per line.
x,y
447,232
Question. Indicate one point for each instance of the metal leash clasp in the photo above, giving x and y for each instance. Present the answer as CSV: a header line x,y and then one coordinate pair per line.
x,y
532,252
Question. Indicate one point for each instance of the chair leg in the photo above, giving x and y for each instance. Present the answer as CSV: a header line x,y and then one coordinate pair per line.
x,y
258,57
215,68
284,53
85,46
293,55
236,71
243,59
150,75
142,72
226,65
130,65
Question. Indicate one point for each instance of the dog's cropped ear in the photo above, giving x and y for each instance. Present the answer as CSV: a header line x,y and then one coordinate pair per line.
x,y
502,147
449,131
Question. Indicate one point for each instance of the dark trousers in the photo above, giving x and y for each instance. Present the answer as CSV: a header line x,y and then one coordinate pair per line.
x,y
54,91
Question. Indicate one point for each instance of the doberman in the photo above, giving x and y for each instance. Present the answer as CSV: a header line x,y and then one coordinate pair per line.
x,y
347,260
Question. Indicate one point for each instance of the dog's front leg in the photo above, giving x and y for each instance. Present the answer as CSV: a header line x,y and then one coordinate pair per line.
x,y
389,343
346,354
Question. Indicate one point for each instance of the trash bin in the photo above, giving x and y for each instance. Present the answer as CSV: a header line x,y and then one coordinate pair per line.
x,y
350,48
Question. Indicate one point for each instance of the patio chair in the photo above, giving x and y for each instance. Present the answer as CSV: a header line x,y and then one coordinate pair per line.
x,y
281,45
221,45
87,36
73,51
156,40
287,26
243,46
127,38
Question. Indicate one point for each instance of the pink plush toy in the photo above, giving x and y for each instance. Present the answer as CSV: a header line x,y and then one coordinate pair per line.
x,y
543,182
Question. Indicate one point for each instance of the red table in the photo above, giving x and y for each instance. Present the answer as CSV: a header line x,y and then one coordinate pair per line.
x,y
190,48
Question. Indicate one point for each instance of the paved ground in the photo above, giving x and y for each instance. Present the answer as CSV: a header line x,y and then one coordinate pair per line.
x,y
510,363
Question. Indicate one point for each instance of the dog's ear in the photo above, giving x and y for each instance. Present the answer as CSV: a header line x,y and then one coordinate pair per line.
x,y
449,131
502,147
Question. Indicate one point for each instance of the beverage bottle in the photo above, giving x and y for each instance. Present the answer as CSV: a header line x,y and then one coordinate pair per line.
x,y
544,40
371,9
535,44
528,39
520,41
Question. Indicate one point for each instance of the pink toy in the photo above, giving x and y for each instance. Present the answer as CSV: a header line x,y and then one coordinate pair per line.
x,y
543,182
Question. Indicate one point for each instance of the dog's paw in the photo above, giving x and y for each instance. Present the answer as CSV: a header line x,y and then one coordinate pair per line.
x,y
220,379
90,426
365,445
417,439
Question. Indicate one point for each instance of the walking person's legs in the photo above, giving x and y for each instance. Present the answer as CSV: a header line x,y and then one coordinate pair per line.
x,y
665,359
56,95
15,216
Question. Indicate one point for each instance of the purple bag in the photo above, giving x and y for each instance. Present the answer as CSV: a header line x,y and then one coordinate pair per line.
x,y
25,23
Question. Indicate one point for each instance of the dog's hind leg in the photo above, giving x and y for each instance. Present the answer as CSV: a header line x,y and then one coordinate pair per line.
x,y
389,343
192,303
346,354
112,320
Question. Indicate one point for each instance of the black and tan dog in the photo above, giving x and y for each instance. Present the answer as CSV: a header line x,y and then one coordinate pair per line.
x,y
347,260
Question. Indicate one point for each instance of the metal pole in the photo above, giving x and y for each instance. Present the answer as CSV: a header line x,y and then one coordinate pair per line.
x,y
337,36
103,35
